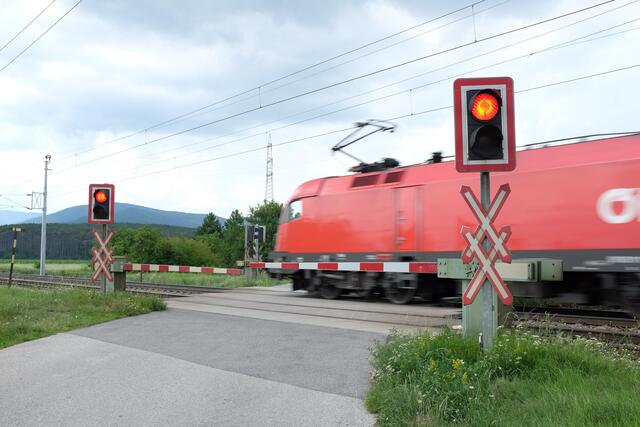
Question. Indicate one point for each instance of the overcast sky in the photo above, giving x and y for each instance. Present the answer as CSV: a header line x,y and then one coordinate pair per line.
x,y
91,91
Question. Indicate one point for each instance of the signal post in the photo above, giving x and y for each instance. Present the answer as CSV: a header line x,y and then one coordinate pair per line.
x,y
102,211
485,142
254,236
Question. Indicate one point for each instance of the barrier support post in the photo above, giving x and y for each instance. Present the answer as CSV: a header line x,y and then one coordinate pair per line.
x,y
252,273
474,314
519,270
119,282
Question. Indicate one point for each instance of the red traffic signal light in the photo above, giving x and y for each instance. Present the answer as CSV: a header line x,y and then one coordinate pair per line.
x,y
485,106
484,124
101,203
100,196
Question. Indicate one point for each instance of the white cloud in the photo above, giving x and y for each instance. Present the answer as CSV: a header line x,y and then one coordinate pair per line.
x,y
114,67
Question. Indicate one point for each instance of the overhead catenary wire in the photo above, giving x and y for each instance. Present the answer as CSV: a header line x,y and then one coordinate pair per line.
x,y
526,55
568,43
261,87
573,41
563,44
387,85
14,202
579,137
372,73
27,26
262,92
400,117
560,45
342,82
580,78
39,37
404,116
270,82
579,140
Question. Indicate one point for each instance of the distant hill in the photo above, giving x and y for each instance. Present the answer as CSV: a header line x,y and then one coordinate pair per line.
x,y
14,217
125,213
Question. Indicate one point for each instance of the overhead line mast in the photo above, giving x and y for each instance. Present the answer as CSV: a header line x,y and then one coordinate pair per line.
x,y
268,191
43,233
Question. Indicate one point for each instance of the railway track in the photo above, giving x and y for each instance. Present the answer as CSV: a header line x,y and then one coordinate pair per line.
x,y
164,290
612,326
570,315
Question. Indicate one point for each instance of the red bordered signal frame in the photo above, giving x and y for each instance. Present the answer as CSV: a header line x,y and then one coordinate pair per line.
x,y
112,190
459,88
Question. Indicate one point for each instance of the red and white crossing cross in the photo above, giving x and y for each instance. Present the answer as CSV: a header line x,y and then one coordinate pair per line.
x,y
497,249
487,268
102,256
485,219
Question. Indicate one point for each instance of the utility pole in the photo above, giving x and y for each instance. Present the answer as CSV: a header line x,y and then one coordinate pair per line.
x,y
43,235
268,190
13,251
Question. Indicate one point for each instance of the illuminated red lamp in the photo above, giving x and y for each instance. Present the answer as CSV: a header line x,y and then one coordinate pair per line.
x,y
100,196
485,106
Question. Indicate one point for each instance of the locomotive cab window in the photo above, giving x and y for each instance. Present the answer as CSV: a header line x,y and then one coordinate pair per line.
x,y
294,211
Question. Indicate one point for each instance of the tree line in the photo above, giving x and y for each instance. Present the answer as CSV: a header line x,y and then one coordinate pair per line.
x,y
66,241
214,244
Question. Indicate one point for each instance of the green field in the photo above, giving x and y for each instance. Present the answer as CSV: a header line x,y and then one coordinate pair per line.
x,y
59,267
443,380
206,280
54,261
79,268
28,314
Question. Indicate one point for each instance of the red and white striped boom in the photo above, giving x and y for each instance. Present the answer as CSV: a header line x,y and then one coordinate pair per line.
x,y
181,269
386,267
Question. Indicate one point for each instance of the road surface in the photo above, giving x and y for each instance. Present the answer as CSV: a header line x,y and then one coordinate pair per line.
x,y
247,357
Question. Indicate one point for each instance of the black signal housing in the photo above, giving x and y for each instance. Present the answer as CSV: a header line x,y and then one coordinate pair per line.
x,y
101,204
484,124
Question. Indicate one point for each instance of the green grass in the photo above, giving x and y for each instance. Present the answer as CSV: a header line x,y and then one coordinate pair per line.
x,y
525,381
60,267
206,280
53,261
28,314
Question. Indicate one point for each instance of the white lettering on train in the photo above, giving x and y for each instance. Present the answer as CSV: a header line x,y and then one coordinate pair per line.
x,y
626,198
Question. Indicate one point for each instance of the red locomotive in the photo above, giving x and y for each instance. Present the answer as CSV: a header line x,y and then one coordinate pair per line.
x,y
576,202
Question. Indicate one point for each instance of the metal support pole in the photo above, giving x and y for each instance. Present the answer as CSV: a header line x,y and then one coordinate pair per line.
x,y
103,279
489,325
13,252
141,255
43,233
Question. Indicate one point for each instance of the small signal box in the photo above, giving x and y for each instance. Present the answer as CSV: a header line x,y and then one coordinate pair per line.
x,y
484,124
101,203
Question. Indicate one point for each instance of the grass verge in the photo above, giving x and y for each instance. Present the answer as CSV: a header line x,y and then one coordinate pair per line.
x,y
206,280
27,314
525,381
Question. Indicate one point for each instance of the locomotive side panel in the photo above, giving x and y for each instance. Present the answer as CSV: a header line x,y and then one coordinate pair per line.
x,y
329,222
582,213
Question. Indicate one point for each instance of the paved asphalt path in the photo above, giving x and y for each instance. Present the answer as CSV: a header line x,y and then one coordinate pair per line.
x,y
245,357
188,368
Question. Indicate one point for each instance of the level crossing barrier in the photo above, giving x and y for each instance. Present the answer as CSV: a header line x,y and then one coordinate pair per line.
x,y
181,269
380,267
